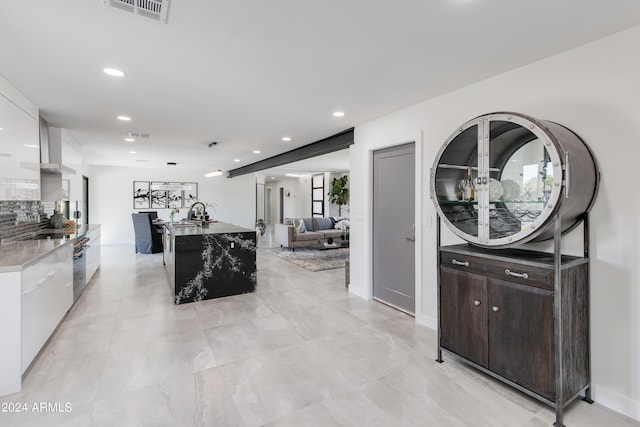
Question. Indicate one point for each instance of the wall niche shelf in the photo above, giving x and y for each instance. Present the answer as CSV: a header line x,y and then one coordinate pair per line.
x,y
502,180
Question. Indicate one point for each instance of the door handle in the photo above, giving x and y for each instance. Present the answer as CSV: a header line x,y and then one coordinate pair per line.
x,y
411,239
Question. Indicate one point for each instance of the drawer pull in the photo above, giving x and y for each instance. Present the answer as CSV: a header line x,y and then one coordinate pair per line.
x,y
33,288
476,302
514,274
495,308
456,262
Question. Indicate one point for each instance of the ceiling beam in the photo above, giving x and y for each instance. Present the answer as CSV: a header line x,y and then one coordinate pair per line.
x,y
336,142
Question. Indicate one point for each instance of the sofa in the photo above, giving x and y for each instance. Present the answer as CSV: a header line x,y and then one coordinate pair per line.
x,y
309,231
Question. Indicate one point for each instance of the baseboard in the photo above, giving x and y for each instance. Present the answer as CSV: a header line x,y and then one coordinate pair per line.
x,y
427,321
361,292
617,402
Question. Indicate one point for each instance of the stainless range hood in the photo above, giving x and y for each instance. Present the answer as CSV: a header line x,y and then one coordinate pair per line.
x,y
51,151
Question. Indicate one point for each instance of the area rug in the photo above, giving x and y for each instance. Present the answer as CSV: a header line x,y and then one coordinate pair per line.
x,y
313,259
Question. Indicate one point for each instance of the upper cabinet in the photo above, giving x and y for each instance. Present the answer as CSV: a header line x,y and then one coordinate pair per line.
x,y
501,177
19,153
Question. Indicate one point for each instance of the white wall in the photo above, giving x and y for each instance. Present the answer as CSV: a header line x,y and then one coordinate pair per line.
x,y
111,202
298,204
593,90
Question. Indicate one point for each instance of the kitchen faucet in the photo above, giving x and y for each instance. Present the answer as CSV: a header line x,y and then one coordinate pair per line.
x,y
204,210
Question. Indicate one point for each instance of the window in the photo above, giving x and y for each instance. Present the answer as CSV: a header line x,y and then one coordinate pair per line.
x,y
317,195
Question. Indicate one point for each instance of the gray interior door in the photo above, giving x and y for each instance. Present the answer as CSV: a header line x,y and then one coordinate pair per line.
x,y
393,226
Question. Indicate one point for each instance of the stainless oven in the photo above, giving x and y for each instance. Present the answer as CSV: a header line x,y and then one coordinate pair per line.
x,y
80,247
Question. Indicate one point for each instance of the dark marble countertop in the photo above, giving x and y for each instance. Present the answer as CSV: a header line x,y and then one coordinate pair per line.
x,y
189,229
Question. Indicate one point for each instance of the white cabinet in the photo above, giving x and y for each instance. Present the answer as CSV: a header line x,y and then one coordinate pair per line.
x,y
19,153
93,252
47,295
10,368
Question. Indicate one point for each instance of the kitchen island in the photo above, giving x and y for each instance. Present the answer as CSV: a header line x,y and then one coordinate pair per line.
x,y
210,261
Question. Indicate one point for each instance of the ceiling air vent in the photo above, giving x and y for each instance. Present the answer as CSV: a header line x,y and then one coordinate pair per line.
x,y
154,9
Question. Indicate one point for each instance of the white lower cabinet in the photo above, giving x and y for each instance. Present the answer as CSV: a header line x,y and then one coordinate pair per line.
x,y
47,295
10,363
93,252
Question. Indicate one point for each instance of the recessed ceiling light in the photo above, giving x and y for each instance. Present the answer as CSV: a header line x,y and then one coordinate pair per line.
x,y
132,152
0,128
273,177
124,118
294,175
129,139
236,160
214,173
338,114
31,145
286,138
256,151
113,72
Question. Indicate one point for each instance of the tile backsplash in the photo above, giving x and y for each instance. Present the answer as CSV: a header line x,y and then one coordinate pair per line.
x,y
19,217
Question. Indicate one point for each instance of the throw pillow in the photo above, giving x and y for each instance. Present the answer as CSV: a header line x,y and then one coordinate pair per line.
x,y
324,223
308,224
342,225
299,226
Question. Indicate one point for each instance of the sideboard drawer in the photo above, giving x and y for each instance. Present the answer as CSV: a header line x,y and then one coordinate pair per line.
x,y
520,273
462,262
504,269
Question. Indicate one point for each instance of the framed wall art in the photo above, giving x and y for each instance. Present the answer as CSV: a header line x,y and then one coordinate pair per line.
x,y
164,195
174,195
158,195
190,193
141,195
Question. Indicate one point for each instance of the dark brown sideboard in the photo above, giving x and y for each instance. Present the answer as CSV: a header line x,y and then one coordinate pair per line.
x,y
497,313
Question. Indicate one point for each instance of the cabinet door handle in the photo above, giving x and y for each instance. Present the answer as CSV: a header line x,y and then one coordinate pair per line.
x,y
567,183
514,274
456,262
495,308
476,302
33,288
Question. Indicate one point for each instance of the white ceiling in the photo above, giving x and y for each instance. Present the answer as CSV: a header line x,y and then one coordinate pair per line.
x,y
246,73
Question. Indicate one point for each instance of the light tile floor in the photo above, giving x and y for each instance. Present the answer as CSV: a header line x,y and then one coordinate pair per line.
x,y
300,351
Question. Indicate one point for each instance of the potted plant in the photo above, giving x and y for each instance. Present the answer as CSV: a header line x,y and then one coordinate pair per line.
x,y
260,226
339,192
